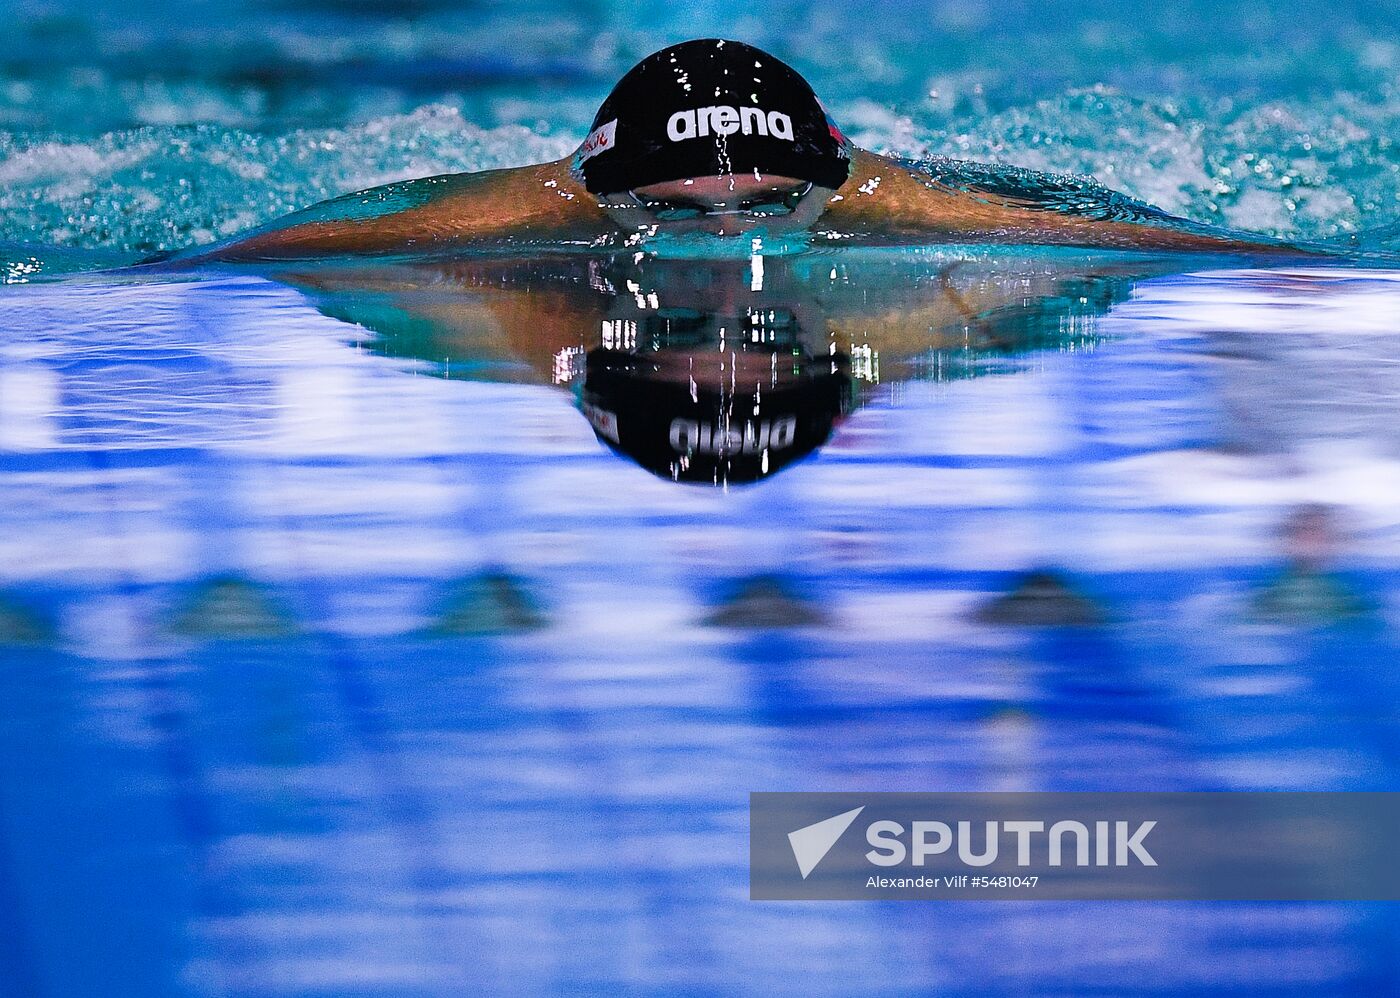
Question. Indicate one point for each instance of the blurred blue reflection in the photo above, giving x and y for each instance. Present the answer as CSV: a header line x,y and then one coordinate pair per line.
x,y
328,671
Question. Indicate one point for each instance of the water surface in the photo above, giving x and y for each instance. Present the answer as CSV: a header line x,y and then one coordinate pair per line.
x,y
126,131
344,654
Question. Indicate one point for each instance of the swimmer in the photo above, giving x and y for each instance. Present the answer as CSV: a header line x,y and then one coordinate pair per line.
x,y
713,137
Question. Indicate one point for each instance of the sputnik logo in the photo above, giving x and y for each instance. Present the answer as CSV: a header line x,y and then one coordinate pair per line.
x,y
811,843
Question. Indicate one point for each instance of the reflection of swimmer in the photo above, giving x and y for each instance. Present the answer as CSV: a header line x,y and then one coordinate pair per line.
x,y
496,318
696,415
628,337
718,137
705,380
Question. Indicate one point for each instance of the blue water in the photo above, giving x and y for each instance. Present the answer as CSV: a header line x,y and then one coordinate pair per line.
x,y
340,656
142,128
328,676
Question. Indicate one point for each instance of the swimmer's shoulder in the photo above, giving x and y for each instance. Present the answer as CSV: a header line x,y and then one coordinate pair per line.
x,y
519,205
891,200
532,201
887,200
885,196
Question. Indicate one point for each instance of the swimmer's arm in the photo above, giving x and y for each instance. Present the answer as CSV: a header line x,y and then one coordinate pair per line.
x,y
520,205
885,200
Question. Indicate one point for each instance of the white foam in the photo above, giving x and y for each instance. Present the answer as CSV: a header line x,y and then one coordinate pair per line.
x,y
1313,301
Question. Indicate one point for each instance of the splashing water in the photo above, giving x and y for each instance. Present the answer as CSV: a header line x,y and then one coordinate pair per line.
x,y
131,133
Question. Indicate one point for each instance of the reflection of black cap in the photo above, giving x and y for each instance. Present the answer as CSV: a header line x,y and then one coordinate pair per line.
x,y
710,108
689,433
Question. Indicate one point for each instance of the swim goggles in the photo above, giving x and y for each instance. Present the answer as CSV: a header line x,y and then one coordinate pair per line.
x,y
763,205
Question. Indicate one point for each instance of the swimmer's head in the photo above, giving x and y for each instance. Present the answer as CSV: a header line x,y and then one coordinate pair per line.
x,y
715,136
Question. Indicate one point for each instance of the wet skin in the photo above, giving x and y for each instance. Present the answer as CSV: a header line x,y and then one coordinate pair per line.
x,y
884,202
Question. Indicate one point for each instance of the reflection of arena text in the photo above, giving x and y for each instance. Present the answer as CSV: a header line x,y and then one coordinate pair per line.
x,y
751,437
746,333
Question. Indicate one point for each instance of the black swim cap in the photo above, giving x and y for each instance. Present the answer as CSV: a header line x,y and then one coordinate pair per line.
x,y
692,433
710,108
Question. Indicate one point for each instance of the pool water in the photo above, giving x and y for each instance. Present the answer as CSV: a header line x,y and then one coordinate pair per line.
x,y
344,654
361,634
134,129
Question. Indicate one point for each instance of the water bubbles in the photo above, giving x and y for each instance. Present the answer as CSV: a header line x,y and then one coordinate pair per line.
x,y
155,189
1224,160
